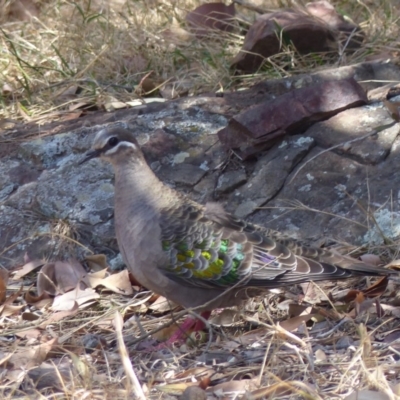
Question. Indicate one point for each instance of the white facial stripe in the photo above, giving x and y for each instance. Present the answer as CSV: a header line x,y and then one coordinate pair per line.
x,y
118,146
98,137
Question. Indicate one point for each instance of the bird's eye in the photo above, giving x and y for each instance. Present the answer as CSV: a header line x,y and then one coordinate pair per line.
x,y
113,141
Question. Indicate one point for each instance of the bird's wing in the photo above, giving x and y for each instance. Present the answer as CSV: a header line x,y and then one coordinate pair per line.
x,y
210,248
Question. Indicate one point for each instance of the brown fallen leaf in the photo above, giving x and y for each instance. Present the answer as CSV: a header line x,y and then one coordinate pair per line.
x,y
227,317
29,316
97,262
27,268
294,310
38,301
377,289
3,285
67,301
118,283
292,324
161,305
49,376
7,309
28,357
29,333
59,277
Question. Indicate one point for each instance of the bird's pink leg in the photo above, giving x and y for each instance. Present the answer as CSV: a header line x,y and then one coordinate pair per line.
x,y
187,327
184,330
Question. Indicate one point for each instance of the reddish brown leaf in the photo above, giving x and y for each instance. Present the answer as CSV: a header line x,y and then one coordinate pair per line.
x,y
377,289
37,301
3,285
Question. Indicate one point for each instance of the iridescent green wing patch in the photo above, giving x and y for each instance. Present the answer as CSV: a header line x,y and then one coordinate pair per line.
x,y
213,260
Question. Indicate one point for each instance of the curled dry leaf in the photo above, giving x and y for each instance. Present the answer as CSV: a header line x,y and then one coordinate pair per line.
x,y
118,283
7,309
38,301
320,356
161,305
59,277
66,301
395,264
97,262
28,357
27,268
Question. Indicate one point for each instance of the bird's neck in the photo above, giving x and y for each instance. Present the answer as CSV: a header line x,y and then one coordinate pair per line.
x,y
136,184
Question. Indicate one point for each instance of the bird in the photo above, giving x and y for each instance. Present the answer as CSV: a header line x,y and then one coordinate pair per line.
x,y
200,256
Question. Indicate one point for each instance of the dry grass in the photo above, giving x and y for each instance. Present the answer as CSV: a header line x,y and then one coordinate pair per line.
x,y
330,358
89,51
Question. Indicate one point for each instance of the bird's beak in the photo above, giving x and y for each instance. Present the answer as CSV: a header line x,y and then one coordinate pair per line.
x,y
89,155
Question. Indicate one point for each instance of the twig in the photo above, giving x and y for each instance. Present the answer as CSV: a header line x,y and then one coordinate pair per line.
x,y
137,389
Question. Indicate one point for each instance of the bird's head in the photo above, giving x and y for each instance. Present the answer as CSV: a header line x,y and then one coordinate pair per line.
x,y
115,145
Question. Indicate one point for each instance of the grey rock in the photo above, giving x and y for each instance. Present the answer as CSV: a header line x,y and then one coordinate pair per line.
x,y
46,198
269,175
204,190
230,180
354,123
184,174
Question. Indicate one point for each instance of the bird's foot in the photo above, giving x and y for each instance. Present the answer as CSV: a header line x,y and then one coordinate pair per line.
x,y
184,331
